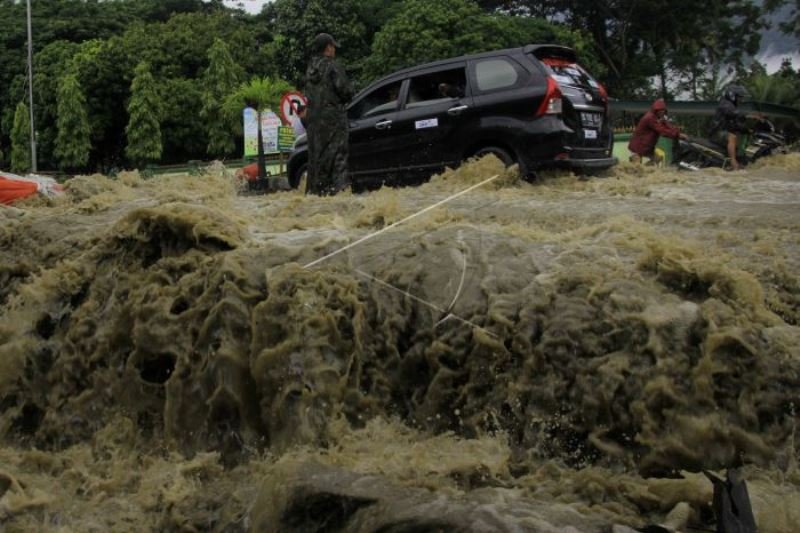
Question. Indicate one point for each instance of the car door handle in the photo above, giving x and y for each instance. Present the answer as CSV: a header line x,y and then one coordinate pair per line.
x,y
457,110
383,124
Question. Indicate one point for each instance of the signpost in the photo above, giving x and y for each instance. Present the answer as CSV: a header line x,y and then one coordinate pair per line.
x,y
289,103
277,135
285,139
285,143
269,132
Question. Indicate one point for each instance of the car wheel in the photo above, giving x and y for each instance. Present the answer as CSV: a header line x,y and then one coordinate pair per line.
x,y
298,180
500,153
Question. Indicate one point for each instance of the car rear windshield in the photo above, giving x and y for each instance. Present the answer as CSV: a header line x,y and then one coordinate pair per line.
x,y
569,73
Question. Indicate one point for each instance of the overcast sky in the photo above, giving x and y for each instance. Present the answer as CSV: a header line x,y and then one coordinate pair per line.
x,y
251,6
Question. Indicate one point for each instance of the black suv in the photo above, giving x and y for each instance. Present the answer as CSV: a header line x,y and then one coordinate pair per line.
x,y
535,106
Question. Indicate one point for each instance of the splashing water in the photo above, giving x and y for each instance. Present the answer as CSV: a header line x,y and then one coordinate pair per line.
x,y
569,353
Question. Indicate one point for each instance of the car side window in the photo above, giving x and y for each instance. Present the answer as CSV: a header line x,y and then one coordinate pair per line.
x,y
382,100
495,73
436,87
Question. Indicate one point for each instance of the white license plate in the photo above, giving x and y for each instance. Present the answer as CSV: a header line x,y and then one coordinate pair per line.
x,y
590,134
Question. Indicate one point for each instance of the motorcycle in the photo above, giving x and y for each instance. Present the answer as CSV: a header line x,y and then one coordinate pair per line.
x,y
695,153
760,141
766,140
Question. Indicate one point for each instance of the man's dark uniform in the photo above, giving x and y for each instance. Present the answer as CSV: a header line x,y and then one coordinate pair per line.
x,y
328,91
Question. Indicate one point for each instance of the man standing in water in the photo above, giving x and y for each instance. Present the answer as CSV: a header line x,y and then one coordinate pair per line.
x,y
328,91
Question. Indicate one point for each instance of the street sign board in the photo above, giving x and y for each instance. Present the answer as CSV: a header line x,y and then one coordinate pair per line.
x,y
285,138
289,103
269,132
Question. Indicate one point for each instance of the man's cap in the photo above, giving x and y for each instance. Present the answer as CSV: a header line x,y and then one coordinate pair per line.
x,y
322,40
659,104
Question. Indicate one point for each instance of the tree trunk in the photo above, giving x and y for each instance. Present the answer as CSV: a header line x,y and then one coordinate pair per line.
x,y
663,76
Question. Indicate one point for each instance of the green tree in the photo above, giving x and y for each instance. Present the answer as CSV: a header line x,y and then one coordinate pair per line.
x,y
775,89
111,38
219,80
20,140
639,40
512,31
183,129
51,64
300,22
144,123
259,94
73,142
427,30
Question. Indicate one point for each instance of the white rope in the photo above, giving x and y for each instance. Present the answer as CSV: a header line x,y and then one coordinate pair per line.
x,y
387,228
463,277
424,302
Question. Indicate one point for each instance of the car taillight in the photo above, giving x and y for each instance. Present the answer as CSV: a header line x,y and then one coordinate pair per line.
x,y
603,93
551,105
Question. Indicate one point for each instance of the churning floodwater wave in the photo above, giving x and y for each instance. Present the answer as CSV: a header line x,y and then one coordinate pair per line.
x,y
569,353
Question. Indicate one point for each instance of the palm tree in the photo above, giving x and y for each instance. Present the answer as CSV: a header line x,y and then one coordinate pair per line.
x,y
260,94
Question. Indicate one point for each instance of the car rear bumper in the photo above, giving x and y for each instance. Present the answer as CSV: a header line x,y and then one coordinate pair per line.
x,y
585,163
602,162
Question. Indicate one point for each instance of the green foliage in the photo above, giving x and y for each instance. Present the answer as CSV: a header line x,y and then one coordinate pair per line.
x,y
258,93
426,30
219,81
183,129
103,42
514,31
73,142
298,23
144,124
53,20
51,65
20,140
676,40
775,89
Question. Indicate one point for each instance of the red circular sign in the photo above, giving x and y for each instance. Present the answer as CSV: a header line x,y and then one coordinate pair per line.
x,y
289,103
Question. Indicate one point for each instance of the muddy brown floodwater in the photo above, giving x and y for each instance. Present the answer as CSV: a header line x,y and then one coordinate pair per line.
x,y
567,355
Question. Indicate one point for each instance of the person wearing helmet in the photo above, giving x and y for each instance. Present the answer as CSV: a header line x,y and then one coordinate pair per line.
x,y
652,125
328,90
729,122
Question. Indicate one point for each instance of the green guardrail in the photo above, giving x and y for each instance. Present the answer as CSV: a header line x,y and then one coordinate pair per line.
x,y
274,166
705,108
621,151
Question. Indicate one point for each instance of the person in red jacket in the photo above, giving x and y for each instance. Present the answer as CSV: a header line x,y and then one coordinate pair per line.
x,y
652,125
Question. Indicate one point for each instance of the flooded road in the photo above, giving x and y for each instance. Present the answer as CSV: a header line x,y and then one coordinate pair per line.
x,y
528,357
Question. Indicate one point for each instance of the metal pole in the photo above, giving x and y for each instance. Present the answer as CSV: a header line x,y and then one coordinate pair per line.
x,y
30,89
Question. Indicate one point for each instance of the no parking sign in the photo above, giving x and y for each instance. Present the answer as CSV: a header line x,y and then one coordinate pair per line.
x,y
289,103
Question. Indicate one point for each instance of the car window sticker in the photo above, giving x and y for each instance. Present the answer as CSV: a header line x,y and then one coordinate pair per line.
x,y
427,123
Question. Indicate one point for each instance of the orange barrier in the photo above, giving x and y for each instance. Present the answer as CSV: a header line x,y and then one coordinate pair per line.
x,y
12,190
